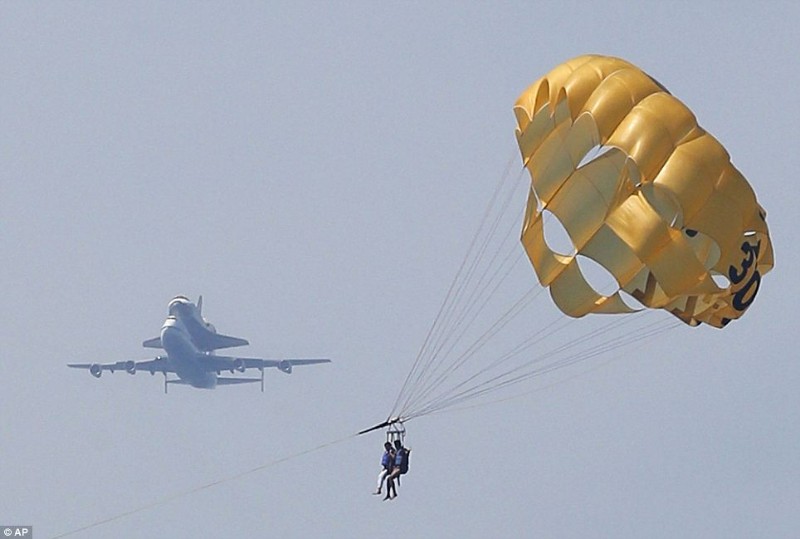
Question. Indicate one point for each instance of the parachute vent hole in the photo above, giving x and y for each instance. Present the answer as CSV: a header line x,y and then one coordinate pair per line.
x,y
599,278
631,301
556,236
539,203
593,154
720,280
535,196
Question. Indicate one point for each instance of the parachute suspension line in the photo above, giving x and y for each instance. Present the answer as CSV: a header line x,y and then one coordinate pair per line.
x,y
462,313
497,381
482,293
448,297
481,341
651,331
532,369
561,321
455,315
421,365
460,327
547,386
559,324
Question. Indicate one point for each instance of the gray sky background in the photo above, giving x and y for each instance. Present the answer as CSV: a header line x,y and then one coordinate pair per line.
x,y
316,172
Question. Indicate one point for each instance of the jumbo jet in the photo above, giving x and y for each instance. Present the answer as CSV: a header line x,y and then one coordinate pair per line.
x,y
190,341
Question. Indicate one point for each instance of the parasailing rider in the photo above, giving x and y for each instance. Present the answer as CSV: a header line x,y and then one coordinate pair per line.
x,y
387,463
401,457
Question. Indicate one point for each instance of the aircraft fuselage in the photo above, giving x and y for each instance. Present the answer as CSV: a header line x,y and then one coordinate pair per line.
x,y
184,356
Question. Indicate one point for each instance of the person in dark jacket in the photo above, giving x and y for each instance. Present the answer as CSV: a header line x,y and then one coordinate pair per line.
x,y
401,455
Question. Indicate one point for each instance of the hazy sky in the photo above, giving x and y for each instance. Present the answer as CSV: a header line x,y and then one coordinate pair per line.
x,y
315,171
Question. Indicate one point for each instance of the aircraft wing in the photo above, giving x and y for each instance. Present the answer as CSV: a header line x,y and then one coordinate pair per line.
x,y
159,364
284,365
220,363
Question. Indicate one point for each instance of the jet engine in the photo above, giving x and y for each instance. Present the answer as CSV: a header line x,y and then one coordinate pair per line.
x,y
238,364
285,366
130,367
95,370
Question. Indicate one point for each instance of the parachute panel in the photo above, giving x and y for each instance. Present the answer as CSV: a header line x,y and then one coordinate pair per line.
x,y
573,295
547,264
607,249
586,197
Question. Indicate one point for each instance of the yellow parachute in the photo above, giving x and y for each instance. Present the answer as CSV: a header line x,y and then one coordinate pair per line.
x,y
663,209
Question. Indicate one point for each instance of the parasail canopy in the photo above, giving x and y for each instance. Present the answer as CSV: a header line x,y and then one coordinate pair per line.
x,y
642,194
660,206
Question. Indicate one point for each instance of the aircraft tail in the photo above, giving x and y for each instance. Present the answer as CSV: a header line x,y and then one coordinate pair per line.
x,y
155,342
215,341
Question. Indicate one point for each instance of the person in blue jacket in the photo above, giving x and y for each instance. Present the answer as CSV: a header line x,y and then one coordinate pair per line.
x,y
387,464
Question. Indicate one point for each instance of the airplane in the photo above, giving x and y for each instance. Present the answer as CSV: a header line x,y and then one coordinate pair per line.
x,y
190,343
